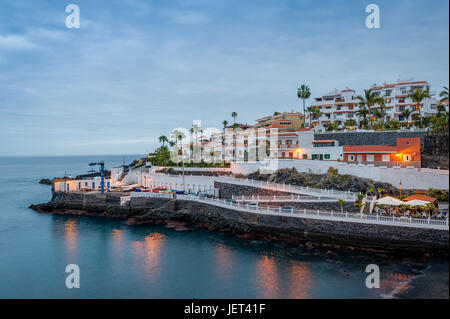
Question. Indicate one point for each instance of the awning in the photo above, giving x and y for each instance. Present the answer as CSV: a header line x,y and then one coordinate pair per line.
x,y
387,200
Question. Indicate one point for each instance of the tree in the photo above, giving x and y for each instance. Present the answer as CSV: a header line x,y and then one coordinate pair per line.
x,y
370,99
310,110
163,139
276,113
303,92
234,116
406,113
363,112
444,94
417,97
224,123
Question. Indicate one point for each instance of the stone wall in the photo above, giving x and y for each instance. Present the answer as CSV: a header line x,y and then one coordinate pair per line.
x,y
369,138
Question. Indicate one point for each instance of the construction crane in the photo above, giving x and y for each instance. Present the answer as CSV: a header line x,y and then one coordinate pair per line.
x,y
102,171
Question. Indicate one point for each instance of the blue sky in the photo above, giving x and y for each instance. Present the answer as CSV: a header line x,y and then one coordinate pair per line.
x,y
137,69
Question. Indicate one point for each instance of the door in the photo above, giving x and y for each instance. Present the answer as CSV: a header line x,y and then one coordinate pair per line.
x,y
360,158
321,157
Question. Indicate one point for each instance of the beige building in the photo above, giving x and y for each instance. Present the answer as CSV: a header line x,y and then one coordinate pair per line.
x,y
284,122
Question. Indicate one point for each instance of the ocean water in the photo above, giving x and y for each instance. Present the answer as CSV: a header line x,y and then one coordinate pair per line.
x,y
120,261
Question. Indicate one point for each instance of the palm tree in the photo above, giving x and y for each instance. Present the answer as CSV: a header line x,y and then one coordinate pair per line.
x,y
370,99
234,116
406,113
195,129
310,110
417,97
440,108
341,202
363,111
163,139
444,94
225,124
303,93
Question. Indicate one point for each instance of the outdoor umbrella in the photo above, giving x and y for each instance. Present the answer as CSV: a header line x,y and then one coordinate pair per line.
x,y
391,201
416,202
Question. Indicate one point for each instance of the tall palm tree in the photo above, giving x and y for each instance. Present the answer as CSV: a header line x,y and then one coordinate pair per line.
x,y
310,110
195,129
163,139
444,94
363,112
234,116
225,124
417,97
406,113
303,92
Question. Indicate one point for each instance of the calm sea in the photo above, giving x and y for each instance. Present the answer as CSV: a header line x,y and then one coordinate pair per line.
x,y
119,261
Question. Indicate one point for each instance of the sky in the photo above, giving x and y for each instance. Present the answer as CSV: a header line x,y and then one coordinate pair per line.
x,y
137,69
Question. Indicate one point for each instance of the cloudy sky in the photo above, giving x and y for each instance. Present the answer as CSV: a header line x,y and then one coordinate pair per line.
x,y
137,69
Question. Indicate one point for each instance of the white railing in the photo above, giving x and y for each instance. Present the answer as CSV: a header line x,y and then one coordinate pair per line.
x,y
151,194
195,169
292,198
323,215
305,190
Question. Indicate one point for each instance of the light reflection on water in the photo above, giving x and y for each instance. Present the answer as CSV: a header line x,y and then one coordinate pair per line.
x,y
147,253
70,235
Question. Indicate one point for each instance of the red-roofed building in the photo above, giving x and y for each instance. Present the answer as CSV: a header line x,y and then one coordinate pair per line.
x,y
406,152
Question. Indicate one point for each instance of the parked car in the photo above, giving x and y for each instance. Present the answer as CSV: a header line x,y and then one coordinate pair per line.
x,y
288,208
230,201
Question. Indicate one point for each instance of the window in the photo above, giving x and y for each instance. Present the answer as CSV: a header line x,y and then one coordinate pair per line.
x,y
327,156
408,143
406,158
385,158
351,158
370,158
305,156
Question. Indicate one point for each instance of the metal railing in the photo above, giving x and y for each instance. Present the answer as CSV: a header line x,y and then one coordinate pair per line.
x,y
305,190
292,198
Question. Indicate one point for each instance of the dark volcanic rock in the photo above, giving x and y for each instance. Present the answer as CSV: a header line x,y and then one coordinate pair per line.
x,y
45,181
330,180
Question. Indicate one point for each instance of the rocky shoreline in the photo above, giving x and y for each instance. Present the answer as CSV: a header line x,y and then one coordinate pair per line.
x,y
189,215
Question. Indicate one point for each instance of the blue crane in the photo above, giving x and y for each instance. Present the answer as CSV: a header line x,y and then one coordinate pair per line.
x,y
102,171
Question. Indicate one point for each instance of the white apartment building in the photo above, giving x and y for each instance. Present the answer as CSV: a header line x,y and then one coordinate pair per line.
x,y
341,106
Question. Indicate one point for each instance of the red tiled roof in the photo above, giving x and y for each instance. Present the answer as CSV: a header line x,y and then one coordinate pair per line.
x,y
420,197
369,148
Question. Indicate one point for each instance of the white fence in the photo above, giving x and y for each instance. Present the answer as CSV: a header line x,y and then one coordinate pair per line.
x,y
293,198
151,194
194,169
330,193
